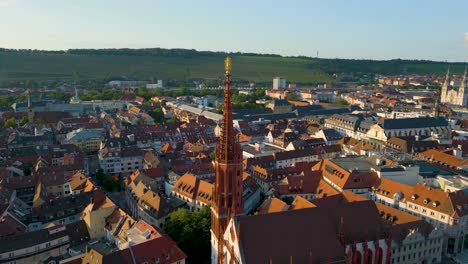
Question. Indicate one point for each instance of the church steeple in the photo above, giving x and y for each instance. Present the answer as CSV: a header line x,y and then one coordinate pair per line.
x,y
227,193
463,90
443,91
30,109
464,81
436,110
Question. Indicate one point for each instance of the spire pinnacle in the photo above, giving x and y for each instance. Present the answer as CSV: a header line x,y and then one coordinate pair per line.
x,y
29,99
227,65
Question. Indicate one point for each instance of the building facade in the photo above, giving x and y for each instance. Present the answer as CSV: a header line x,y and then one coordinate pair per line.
x,y
452,95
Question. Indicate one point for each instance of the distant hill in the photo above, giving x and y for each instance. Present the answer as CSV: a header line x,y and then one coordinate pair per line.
x,y
187,65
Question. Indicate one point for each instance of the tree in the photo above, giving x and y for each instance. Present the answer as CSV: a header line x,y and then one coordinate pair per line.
x,y
293,97
191,231
174,119
24,120
10,122
158,115
110,184
341,101
84,149
100,176
213,154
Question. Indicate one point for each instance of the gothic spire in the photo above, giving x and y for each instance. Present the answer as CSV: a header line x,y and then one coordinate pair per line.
x,y
29,99
227,188
447,77
227,137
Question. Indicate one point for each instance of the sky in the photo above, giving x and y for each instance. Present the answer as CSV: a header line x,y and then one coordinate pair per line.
x,y
370,29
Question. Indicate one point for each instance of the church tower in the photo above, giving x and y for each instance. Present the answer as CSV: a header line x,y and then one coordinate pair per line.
x,y
227,194
443,92
436,109
463,91
30,109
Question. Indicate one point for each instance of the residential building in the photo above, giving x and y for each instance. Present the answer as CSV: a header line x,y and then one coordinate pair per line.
x,y
198,193
144,197
160,250
279,83
94,214
447,211
120,156
39,246
445,161
384,129
85,139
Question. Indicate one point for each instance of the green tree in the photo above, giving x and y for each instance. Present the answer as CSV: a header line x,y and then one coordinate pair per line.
x,y
84,149
24,120
158,115
100,176
173,119
143,92
293,97
341,101
191,231
110,185
10,122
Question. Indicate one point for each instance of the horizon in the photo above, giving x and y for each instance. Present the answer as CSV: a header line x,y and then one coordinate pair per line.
x,y
335,29
242,53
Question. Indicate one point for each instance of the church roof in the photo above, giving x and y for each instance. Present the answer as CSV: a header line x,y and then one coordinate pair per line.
x,y
406,123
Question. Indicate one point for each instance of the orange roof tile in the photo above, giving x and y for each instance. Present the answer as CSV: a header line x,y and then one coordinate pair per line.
x,y
300,203
272,205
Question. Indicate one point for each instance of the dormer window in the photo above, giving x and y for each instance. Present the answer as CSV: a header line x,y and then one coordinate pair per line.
x,y
414,197
426,201
435,203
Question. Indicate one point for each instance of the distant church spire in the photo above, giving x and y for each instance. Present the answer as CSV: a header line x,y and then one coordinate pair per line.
x,y
463,83
436,110
30,109
444,89
29,99
75,99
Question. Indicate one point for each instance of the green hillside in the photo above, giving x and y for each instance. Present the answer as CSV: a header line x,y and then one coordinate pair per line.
x,y
187,65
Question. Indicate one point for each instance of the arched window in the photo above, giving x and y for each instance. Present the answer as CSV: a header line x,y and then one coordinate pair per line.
x,y
368,257
357,258
379,255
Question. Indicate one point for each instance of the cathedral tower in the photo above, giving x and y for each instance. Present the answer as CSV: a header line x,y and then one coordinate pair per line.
x,y
443,92
463,91
227,193
30,109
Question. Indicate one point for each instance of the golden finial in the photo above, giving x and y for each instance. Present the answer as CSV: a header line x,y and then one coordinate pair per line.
x,y
227,64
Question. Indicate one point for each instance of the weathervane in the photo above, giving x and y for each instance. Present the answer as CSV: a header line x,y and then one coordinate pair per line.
x,y
227,65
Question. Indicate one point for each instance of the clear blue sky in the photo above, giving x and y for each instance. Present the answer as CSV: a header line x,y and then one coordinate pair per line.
x,y
376,29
